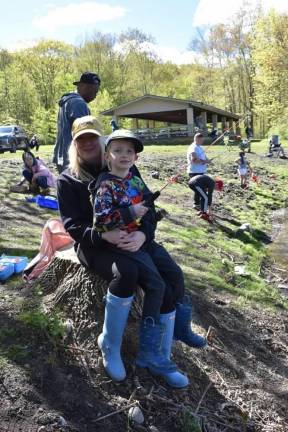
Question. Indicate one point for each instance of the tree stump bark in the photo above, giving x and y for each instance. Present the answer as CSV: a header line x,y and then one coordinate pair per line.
x,y
69,286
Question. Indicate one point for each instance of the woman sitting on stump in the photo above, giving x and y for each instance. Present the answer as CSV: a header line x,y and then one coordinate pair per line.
x,y
119,265
36,173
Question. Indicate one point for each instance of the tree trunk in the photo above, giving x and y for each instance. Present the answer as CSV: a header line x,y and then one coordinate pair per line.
x,y
69,286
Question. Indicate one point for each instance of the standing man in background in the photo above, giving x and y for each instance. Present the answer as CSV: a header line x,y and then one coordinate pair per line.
x,y
71,106
197,162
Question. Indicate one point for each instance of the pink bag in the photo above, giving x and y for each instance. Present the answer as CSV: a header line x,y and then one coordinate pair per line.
x,y
54,238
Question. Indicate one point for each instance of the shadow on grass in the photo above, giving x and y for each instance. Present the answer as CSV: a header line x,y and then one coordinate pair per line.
x,y
246,352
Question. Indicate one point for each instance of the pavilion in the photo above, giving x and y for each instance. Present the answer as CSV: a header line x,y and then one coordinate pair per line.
x,y
173,111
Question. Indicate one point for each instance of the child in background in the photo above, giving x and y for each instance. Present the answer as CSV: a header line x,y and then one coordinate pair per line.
x,y
243,166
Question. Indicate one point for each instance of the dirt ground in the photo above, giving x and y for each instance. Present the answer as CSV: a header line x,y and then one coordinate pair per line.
x,y
239,383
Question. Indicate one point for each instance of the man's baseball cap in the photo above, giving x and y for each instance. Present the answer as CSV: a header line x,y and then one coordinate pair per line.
x,y
198,135
88,78
86,124
127,135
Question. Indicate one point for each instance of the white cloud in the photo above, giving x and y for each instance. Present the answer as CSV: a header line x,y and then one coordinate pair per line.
x,y
18,45
213,12
164,53
77,14
174,55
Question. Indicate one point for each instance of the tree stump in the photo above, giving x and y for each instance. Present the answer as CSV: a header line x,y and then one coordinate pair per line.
x,y
69,286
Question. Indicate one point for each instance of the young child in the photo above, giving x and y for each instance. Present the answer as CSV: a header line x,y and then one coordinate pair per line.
x,y
121,200
243,166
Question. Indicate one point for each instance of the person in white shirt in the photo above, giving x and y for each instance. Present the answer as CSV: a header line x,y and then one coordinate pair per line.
x,y
197,162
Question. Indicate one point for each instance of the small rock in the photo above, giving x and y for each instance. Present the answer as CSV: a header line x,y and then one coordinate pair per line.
x,y
135,414
245,227
153,429
155,174
68,325
41,429
241,271
41,410
62,422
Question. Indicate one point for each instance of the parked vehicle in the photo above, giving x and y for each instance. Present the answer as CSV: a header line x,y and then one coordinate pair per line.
x,y
13,138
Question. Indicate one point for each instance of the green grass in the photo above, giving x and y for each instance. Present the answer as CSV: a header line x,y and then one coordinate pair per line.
x,y
206,253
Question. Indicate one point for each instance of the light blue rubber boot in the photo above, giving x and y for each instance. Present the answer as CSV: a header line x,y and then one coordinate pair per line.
x,y
110,340
183,331
151,354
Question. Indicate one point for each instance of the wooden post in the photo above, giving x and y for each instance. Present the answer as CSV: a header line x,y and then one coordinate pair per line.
x,y
190,121
223,121
135,125
238,130
214,121
204,120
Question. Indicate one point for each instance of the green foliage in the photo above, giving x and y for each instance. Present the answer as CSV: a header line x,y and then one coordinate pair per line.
x,y
43,324
242,67
190,422
44,125
269,54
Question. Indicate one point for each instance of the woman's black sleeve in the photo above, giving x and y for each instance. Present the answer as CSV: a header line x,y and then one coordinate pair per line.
x,y
77,219
148,221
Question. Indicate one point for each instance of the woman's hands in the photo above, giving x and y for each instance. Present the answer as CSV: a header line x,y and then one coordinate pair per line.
x,y
114,236
131,242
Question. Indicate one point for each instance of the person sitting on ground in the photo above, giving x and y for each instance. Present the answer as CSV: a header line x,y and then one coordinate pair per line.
x,y
197,162
36,173
243,168
275,146
117,264
34,143
203,185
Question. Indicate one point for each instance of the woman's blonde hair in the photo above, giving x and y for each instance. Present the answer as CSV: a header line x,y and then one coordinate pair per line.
x,y
75,160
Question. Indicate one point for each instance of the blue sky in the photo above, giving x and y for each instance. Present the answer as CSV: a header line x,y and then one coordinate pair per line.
x,y
173,23
169,21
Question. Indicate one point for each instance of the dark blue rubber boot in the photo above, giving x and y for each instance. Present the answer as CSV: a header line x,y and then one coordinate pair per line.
x,y
151,354
169,321
183,331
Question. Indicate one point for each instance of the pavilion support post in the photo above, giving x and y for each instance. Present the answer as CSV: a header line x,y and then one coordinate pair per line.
x,y
190,121
237,128
224,124
204,120
214,121
231,124
135,123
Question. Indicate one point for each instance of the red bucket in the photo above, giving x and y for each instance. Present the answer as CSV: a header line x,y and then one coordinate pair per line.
x,y
219,185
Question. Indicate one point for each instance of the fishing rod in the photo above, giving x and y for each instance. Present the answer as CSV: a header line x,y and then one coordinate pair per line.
x,y
229,129
174,177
